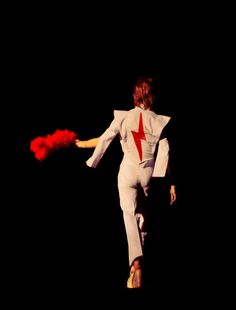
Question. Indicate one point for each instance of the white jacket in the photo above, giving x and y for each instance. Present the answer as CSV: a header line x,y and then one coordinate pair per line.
x,y
139,132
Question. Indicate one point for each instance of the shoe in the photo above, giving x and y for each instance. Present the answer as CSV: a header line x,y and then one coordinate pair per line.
x,y
135,278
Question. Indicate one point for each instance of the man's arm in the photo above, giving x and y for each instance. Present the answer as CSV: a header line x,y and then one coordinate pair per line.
x,y
91,143
165,160
169,133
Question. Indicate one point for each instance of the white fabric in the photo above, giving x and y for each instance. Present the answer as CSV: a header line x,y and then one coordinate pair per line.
x,y
124,123
137,166
161,159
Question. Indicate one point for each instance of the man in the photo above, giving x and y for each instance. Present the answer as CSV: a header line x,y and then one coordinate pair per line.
x,y
140,132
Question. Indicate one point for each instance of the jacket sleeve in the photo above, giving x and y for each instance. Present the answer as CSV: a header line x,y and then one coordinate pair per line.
x,y
165,164
162,159
105,139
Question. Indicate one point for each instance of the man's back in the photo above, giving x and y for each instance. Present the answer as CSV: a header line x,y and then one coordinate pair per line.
x,y
140,131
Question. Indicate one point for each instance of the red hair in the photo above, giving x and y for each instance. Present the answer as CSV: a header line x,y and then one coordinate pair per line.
x,y
143,92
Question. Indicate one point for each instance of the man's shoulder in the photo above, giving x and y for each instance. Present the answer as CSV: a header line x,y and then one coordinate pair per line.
x,y
163,118
119,113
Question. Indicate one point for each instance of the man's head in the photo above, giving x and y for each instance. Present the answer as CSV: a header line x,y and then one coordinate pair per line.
x,y
143,93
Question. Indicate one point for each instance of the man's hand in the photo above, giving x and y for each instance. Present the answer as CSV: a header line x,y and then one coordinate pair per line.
x,y
91,143
172,194
77,141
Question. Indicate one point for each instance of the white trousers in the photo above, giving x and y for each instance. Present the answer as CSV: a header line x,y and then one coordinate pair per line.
x,y
131,178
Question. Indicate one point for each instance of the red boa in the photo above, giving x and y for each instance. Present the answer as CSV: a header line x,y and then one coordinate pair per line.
x,y
43,146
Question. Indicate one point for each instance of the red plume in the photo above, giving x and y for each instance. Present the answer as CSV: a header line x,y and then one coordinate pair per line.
x,y
43,146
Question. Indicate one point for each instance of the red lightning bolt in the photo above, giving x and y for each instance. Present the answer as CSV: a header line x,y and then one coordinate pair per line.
x,y
138,136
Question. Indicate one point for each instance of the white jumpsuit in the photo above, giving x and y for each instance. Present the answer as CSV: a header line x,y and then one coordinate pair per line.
x,y
139,132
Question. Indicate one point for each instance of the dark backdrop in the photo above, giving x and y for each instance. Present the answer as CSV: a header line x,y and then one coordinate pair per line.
x,y
68,227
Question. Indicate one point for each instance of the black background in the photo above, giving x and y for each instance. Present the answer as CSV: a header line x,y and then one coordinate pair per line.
x,y
67,231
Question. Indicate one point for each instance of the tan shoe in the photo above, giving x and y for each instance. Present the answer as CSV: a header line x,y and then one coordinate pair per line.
x,y
135,278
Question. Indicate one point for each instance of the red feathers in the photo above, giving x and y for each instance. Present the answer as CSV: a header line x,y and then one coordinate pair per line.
x,y
43,146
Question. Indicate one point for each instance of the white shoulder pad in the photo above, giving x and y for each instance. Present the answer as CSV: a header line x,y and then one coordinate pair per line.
x,y
120,113
163,119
